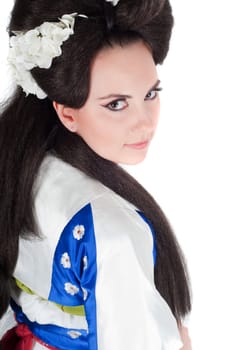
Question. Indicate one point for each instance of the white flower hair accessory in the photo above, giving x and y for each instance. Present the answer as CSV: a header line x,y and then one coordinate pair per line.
x,y
37,48
114,2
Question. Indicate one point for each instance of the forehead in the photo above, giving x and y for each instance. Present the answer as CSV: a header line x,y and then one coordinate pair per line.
x,y
120,67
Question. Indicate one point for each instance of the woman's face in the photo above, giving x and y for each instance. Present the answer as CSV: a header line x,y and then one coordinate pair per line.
x,y
119,118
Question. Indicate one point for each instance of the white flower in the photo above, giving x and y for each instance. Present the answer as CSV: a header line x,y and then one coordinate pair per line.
x,y
71,288
74,334
85,262
37,48
114,2
65,261
78,232
85,293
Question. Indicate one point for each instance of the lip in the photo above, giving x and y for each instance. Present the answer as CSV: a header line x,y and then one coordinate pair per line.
x,y
139,145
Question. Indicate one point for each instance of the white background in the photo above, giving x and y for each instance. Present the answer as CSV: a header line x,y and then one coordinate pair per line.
x,y
188,169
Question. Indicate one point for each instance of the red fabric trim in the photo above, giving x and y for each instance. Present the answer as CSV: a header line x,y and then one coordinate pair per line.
x,y
20,338
17,338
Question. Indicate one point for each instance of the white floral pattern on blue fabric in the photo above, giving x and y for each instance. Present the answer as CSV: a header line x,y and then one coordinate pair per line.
x,y
85,262
74,334
65,261
71,288
67,284
78,232
85,293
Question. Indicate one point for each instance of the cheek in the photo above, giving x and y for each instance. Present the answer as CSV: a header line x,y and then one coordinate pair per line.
x,y
109,129
99,134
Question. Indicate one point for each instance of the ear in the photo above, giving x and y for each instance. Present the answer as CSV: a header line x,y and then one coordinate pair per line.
x,y
67,116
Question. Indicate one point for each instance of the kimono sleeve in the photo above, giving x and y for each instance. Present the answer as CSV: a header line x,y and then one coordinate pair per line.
x,y
74,275
130,313
106,265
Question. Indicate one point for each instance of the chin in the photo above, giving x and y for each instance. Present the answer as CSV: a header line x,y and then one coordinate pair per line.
x,y
135,161
127,159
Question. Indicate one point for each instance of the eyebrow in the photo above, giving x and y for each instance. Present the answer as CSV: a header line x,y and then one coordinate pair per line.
x,y
122,96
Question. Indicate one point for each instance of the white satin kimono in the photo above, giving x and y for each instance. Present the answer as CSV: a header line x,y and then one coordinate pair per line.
x,y
88,282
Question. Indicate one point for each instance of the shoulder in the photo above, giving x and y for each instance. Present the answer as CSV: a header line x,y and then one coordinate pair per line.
x,y
60,191
58,180
64,194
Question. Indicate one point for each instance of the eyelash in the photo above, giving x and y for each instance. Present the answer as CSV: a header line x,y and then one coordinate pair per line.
x,y
109,105
156,90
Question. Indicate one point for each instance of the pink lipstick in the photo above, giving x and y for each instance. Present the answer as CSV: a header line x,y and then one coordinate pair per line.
x,y
139,145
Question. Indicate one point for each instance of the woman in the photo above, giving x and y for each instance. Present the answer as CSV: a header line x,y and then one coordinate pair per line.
x,y
81,237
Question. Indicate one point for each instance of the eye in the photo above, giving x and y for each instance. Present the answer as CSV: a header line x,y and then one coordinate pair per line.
x,y
152,94
117,105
